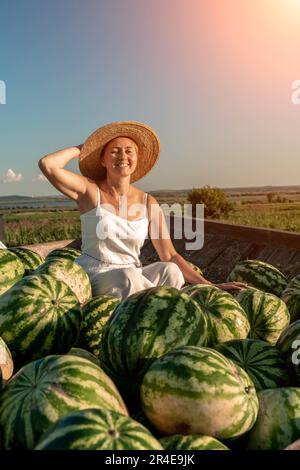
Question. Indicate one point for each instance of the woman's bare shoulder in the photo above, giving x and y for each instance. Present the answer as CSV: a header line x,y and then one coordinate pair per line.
x,y
152,200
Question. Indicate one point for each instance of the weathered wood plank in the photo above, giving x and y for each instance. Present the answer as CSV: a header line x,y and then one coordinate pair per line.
x,y
224,246
253,251
226,261
253,234
265,252
293,268
281,257
213,247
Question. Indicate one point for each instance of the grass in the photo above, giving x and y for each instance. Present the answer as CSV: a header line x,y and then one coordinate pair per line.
x,y
25,228
40,215
276,216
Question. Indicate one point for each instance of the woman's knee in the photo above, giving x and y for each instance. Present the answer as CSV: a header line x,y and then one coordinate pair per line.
x,y
174,274
120,282
122,278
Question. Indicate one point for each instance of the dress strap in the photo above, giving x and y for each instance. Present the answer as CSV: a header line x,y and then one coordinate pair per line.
x,y
145,203
98,199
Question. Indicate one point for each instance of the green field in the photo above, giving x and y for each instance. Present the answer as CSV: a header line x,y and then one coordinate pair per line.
x,y
29,227
39,227
285,216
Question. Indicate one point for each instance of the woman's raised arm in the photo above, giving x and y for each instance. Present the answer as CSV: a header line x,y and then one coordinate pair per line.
x,y
67,182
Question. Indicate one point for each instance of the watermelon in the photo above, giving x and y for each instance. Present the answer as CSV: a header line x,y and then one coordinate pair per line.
x,y
195,267
259,274
95,314
6,361
268,315
194,442
39,315
288,345
291,297
11,270
63,253
145,326
262,361
71,273
96,429
30,259
278,421
197,390
86,354
294,446
226,318
47,389
136,412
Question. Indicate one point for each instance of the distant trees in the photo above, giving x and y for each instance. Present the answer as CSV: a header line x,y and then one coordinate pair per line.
x,y
275,197
271,197
215,200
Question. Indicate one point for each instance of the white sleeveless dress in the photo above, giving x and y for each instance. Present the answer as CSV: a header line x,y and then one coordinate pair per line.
x,y
111,247
122,245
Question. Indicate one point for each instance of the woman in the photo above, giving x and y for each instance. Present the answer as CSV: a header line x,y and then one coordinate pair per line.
x,y
113,157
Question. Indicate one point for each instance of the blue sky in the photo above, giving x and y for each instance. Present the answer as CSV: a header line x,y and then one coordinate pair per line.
x,y
212,77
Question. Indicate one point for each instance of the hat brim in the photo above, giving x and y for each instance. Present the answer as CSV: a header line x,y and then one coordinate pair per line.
x,y
146,139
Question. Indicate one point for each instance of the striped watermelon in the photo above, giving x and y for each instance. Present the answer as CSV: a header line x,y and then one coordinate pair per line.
x,y
196,390
291,297
71,273
268,315
262,362
194,442
95,314
11,270
39,315
226,318
95,429
6,361
294,446
288,345
136,412
194,267
48,389
145,326
63,253
30,259
86,354
261,275
278,421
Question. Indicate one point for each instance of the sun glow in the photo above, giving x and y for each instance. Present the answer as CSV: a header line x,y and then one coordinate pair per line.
x,y
291,3
285,7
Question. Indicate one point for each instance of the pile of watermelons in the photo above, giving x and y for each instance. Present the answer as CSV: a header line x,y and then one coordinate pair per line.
x,y
197,368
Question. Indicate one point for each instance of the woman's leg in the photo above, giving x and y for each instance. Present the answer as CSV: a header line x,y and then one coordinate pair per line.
x,y
120,282
164,273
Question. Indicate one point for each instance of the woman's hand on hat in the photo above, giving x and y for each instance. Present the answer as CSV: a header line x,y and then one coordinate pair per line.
x,y
79,146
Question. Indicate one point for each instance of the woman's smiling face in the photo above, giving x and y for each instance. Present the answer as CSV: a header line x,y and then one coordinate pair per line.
x,y
120,156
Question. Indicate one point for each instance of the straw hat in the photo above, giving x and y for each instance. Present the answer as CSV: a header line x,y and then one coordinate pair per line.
x,y
146,139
